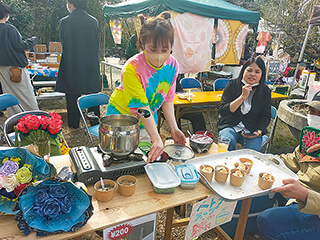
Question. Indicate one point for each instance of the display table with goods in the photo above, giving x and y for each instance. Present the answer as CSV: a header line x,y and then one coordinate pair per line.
x,y
125,206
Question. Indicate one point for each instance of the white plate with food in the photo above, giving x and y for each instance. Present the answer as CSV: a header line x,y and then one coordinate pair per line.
x,y
261,163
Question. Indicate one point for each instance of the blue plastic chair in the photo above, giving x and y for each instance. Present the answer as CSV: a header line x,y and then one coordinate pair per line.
x,y
187,83
266,140
220,83
8,100
88,101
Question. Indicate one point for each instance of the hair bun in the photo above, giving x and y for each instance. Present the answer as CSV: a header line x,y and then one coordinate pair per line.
x,y
165,15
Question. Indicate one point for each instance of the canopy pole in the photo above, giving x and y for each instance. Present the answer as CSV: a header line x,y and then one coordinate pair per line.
x,y
300,57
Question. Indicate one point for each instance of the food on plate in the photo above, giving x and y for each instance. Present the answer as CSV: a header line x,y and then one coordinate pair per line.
x,y
242,167
207,171
185,96
201,138
237,177
248,162
265,180
221,173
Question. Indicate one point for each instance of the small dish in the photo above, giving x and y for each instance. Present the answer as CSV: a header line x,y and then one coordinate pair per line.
x,y
207,171
127,185
106,194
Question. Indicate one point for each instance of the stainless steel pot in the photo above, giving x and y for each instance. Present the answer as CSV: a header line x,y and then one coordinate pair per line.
x,y
119,134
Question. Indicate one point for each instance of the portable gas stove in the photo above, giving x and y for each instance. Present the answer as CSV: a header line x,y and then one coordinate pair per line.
x,y
91,164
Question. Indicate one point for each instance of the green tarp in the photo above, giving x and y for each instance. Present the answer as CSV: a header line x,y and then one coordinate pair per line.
x,y
206,8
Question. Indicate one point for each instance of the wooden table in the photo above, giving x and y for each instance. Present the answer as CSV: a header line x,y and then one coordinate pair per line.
x,y
122,209
207,98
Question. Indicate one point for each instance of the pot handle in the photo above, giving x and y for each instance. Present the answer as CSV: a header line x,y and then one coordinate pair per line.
x,y
143,112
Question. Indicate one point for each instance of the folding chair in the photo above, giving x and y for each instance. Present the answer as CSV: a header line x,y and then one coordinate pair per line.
x,y
88,101
220,84
8,100
267,140
188,83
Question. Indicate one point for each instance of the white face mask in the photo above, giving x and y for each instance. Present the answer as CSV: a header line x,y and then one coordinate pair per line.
x,y
253,85
313,121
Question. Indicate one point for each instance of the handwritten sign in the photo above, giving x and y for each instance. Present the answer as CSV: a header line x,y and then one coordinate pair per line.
x,y
142,228
209,213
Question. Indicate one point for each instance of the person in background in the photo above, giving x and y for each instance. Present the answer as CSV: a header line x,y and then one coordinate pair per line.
x,y
245,107
132,47
79,71
300,218
148,82
12,54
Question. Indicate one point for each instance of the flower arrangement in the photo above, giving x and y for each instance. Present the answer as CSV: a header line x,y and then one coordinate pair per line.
x,y
37,128
52,206
12,178
18,169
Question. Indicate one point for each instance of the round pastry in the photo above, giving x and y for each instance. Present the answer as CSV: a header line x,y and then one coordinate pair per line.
x,y
221,173
237,176
207,171
265,180
248,162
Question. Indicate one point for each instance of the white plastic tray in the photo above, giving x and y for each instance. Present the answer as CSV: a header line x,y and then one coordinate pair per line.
x,y
249,188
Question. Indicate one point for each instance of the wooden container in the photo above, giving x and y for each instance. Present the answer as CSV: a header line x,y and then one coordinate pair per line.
x,y
237,180
205,171
265,184
248,162
125,189
221,176
104,195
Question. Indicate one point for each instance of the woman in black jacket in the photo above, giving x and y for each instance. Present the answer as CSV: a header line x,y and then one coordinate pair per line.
x,y
245,107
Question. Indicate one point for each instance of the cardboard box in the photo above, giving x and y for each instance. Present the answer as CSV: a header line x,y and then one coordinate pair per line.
x,y
40,48
55,47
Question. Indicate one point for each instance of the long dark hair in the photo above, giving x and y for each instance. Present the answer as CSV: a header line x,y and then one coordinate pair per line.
x,y
259,61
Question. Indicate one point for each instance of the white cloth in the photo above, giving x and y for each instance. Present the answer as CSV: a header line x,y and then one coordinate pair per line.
x,y
23,90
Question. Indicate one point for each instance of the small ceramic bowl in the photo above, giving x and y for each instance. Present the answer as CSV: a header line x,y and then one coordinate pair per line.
x,y
107,194
221,176
236,178
207,171
265,183
127,185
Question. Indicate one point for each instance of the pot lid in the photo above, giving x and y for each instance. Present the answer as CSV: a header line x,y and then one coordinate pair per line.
x,y
179,152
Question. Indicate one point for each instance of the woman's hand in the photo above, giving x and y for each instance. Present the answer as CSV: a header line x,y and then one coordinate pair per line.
x,y
246,89
314,148
292,189
156,150
178,136
254,135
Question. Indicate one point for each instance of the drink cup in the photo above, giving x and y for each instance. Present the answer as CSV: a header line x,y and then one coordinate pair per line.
x,y
223,144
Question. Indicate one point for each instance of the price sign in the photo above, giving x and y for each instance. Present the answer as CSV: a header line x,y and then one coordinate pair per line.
x,y
119,231
141,229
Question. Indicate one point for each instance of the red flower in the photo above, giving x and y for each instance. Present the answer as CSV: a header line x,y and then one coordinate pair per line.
x,y
55,126
55,115
44,121
32,122
18,189
21,127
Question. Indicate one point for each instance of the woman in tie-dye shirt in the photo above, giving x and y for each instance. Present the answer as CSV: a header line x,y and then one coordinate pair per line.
x,y
148,81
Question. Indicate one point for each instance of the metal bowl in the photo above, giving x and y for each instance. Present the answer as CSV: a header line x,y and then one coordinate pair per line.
x,y
200,142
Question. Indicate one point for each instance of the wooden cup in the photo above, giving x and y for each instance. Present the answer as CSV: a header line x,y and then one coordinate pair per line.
x,y
221,176
104,196
264,184
237,180
208,175
127,190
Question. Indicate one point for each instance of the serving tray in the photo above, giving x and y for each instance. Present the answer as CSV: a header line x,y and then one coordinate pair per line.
x,y
261,163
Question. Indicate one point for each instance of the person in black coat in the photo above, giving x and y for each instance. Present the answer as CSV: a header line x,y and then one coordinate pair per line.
x,y
245,107
79,71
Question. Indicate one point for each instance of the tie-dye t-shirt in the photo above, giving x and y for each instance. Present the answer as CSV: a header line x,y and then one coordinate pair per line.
x,y
144,85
